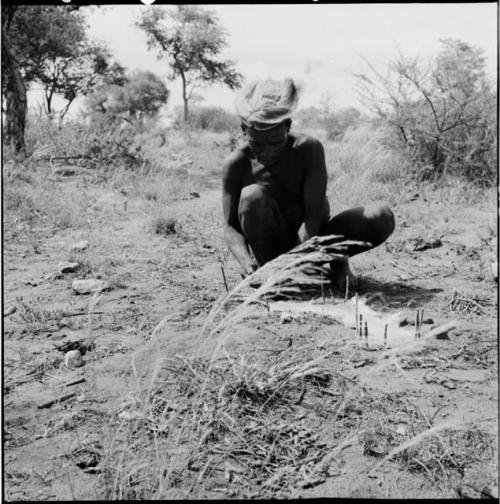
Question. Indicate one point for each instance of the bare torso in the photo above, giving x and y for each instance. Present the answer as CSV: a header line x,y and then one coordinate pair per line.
x,y
284,180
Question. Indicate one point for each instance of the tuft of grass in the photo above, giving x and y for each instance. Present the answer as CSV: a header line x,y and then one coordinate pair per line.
x,y
223,421
36,320
165,226
452,451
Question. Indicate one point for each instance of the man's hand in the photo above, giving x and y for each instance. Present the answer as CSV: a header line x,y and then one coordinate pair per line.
x,y
249,268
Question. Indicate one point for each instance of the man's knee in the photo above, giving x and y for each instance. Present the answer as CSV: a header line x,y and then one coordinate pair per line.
x,y
382,221
252,200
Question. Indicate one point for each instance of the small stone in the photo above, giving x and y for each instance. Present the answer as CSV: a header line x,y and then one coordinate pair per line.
x,y
73,359
286,318
88,286
130,415
494,270
68,267
401,430
79,247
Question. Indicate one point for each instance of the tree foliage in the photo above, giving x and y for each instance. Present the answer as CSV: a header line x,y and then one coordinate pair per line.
x,y
191,38
141,96
335,122
444,111
209,118
51,49
77,75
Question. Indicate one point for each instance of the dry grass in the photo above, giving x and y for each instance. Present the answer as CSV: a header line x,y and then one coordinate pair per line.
x,y
227,419
235,422
362,169
34,200
268,425
449,451
165,225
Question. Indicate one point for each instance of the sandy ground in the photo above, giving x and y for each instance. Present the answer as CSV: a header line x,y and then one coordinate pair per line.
x,y
454,380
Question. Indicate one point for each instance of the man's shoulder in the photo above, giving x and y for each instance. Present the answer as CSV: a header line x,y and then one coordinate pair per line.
x,y
237,156
303,142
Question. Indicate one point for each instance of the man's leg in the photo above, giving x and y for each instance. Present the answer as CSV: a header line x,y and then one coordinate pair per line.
x,y
263,225
373,224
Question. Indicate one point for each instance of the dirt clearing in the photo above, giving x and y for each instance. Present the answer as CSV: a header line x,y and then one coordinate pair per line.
x,y
285,406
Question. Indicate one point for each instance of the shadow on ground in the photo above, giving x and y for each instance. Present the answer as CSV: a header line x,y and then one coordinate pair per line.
x,y
379,294
394,294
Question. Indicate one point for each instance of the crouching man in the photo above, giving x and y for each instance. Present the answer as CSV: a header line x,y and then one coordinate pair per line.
x,y
274,187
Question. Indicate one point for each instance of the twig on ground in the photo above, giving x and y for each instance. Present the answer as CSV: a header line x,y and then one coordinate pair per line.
x,y
48,404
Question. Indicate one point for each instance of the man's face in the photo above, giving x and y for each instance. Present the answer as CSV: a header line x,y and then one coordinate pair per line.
x,y
267,146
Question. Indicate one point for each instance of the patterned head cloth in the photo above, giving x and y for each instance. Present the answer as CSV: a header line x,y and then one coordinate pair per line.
x,y
262,105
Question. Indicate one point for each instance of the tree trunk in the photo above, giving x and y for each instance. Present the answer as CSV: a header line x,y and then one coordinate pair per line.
x,y
185,98
15,99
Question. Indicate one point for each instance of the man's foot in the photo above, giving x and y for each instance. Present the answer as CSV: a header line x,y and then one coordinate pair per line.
x,y
340,270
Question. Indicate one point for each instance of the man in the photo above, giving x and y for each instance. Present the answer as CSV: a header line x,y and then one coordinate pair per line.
x,y
274,187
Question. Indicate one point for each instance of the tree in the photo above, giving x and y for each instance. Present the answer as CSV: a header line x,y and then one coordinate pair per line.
x,y
47,45
13,88
141,96
77,74
443,110
191,38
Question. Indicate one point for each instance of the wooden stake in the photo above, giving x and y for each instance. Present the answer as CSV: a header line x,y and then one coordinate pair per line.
x,y
322,289
366,333
385,335
416,324
360,325
224,278
357,318
346,287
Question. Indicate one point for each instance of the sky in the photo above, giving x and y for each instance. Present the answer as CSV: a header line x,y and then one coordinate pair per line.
x,y
318,45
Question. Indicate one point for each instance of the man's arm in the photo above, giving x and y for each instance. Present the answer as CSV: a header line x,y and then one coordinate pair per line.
x,y
233,235
313,156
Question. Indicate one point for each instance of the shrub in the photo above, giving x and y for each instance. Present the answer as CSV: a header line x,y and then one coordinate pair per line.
x,y
105,142
208,118
444,112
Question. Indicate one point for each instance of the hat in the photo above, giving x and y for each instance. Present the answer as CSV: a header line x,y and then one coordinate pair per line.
x,y
264,104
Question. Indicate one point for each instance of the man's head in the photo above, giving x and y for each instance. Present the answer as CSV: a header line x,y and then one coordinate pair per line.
x,y
267,144
265,108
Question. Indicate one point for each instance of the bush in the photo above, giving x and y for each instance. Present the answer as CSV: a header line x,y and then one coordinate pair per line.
x,y
337,123
208,118
334,123
443,111
105,142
